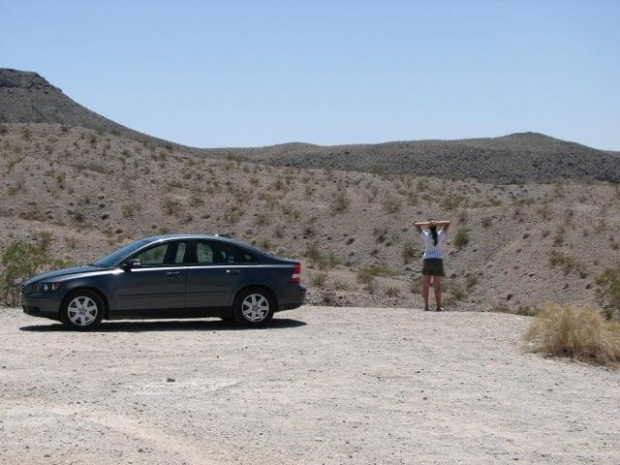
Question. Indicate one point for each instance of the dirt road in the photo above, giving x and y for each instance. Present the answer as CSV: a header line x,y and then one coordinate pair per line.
x,y
322,385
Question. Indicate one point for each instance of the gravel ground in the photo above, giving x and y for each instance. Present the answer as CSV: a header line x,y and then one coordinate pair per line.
x,y
322,385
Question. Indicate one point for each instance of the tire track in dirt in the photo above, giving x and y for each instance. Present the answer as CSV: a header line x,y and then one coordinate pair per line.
x,y
191,452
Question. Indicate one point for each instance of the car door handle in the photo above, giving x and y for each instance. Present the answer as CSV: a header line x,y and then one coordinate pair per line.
x,y
232,272
173,273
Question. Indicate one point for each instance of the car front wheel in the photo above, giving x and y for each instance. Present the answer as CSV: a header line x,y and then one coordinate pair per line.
x,y
254,307
82,310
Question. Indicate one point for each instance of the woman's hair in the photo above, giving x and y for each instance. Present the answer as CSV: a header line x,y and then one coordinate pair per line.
x,y
433,233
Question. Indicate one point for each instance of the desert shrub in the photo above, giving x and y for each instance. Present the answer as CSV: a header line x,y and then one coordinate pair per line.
x,y
328,298
392,292
176,184
129,210
196,201
233,213
579,334
471,281
391,204
340,202
608,290
319,279
461,238
170,206
90,167
458,293
380,234
262,219
318,259
309,231
409,252
367,273
567,264
22,260
451,201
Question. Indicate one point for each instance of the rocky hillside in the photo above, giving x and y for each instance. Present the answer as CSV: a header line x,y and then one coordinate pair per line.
x,y
517,158
79,185
26,97
79,193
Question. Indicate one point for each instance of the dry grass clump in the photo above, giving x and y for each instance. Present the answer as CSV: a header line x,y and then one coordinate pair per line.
x,y
564,331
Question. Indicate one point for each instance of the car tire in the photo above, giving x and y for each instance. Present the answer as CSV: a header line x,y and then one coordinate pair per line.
x,y
254,307
82,310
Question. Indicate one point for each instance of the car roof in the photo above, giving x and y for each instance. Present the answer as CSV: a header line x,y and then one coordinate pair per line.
x,y
191,236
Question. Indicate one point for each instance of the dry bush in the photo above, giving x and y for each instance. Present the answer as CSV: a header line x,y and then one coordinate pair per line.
x,y
461,238
580,334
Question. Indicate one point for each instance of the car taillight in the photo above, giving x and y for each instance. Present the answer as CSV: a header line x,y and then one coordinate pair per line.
x,y
296,277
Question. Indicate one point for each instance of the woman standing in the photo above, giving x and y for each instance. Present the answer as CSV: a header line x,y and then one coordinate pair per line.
x,y
432,233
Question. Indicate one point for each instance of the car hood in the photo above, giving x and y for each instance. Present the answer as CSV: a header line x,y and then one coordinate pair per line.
x,y
63,272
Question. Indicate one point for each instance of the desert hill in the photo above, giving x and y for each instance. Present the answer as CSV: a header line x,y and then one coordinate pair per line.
x,y
26,97
79,192
518,158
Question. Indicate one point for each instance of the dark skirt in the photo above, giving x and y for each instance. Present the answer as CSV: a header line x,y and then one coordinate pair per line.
x,y
433,267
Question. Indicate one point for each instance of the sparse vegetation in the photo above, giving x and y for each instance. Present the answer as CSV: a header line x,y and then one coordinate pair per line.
x,y
567,263
461,238
340,202
608,291
410,251
392,292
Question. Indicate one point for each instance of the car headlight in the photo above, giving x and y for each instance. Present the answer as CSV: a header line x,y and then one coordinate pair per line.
x,y
49,287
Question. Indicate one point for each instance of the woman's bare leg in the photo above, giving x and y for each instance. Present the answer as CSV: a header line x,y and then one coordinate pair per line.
x,y
426,283
437,287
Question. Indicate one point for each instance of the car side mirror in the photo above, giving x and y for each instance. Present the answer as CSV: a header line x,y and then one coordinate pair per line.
x,y
131,264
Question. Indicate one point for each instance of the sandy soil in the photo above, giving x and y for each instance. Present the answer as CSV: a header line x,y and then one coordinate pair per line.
x,y
322,385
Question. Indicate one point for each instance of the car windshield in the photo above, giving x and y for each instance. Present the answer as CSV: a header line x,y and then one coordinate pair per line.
x,y
119,254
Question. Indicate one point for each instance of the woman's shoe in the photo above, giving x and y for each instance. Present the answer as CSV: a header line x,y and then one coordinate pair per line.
x,y
439,309
427,309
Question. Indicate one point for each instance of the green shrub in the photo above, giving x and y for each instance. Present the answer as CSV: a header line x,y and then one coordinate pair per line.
x,y
608,290
367,273
318,259
22,260
461,238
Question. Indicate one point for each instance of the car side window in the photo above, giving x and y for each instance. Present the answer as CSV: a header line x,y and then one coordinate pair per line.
x,y
204,253
172,253
211,253
154,256
245,257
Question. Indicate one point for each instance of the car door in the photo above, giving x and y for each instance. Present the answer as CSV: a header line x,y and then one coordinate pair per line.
x,y
159,283
212,277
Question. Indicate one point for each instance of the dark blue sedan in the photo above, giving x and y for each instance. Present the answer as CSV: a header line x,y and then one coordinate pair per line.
x,y
180,276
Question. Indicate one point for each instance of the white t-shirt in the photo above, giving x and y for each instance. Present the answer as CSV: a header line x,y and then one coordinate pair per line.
x,y
431,250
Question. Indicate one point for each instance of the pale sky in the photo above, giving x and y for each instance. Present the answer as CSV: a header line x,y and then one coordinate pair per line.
x,y
252,73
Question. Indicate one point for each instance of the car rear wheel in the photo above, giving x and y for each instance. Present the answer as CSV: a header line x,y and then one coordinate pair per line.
x,y
82,310
254,307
